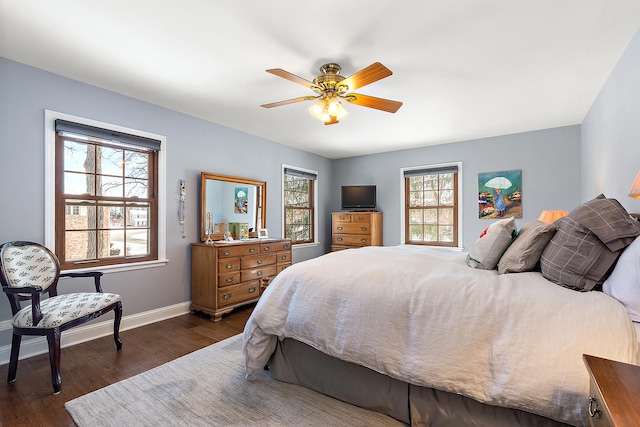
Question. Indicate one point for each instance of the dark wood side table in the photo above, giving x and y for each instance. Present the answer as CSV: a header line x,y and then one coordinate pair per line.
x,y
614,393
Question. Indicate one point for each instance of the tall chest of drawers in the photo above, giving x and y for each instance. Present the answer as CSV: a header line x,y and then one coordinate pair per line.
x,y
355,229
226,275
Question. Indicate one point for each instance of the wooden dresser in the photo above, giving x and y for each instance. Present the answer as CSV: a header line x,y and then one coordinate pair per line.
x,y
614,393
355,229
226,275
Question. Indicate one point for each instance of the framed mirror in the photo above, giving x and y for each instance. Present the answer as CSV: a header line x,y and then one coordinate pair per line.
x,y
230,202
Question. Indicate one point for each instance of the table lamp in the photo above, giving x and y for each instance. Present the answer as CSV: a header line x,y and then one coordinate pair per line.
x,y
551,216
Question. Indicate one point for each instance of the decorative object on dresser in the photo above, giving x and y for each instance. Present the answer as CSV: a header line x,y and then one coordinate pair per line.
x,y
229,274
613,393
355,229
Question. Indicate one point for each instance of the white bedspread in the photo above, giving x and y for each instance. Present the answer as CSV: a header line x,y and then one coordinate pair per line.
x,y
423,316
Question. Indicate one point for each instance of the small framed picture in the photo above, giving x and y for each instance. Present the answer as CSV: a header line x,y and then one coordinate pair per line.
x,y
263,233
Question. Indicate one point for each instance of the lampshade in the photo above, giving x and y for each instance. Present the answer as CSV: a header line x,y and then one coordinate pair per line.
x,y
551,216
635,188
328,109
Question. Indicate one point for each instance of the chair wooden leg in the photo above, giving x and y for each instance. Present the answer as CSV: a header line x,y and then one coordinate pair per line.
x,y
13,359
53,338
116,325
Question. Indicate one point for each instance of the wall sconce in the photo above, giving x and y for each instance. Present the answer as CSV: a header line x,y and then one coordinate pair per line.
x,y
551,216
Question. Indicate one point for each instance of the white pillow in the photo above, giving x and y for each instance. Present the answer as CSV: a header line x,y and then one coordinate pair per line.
x,y
624,282
491,244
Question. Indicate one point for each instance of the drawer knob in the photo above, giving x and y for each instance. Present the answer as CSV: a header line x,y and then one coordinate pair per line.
x,y
259,261
339,239
252,289
266,248
361,218
226,296
286,246
284,257
227,253
259,273
339,228
594,412
363,228
363,240
252,250
229,279
229,266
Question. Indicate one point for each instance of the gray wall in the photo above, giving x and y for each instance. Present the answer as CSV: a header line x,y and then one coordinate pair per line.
x,y
560,167
193,145
549,160
611,133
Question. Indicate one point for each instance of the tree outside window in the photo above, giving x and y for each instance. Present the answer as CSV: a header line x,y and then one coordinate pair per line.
x,y
431,206
106,202
299,205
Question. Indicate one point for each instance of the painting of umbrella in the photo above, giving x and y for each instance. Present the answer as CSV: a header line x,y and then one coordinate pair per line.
x,y
500,194
241,200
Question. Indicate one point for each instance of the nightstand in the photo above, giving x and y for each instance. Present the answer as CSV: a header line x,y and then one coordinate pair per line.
x,y
614,393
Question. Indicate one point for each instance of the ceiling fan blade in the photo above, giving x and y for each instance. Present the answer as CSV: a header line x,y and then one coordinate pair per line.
x,y
289,101
370,74
373,102
292,77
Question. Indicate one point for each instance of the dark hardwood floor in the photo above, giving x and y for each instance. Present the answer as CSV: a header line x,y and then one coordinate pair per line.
x,y
95,364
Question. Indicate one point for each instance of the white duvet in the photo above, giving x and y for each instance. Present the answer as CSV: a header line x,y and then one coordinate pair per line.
x,y
423,316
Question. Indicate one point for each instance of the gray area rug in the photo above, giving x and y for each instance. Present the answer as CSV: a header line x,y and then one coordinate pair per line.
x,y
208,388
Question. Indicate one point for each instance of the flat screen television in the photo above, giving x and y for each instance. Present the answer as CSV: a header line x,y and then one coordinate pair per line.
x,y
358,197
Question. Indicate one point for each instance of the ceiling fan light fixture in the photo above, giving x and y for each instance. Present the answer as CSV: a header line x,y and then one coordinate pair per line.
x,y
317,108
328,109
331,86
320,109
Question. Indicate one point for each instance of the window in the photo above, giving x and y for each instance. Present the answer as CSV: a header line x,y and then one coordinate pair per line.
x,y
431,206
299,200
105,197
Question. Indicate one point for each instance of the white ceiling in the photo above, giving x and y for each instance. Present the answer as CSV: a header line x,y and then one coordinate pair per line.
x,y
464,69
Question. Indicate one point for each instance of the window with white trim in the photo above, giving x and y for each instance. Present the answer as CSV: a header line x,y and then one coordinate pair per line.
x,y
431,206
105,202
299,194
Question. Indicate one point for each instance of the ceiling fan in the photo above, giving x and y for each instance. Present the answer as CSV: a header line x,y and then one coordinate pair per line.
x,y
331,87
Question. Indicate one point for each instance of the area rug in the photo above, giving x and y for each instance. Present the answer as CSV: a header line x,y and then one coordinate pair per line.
x,y
208,388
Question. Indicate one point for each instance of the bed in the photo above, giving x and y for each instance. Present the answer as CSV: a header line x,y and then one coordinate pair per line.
x,y
416,333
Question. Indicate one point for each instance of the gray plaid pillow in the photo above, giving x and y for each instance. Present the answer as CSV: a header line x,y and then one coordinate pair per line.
x,y
587,244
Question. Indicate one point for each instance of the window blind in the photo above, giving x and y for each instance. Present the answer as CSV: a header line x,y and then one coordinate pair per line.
x,y
431,171
301,174
107,134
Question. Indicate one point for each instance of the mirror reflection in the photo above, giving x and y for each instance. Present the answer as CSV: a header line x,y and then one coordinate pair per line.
x,y
229,203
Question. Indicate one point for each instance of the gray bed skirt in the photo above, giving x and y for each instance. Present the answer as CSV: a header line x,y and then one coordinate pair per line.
x,y
298,363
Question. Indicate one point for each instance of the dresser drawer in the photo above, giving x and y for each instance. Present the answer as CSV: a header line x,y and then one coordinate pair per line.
x,y
280,267
351,240
257,261
283,257
257,273
237,293
351,228
361,217
340,217
275,247
228,265
599,414
238,250
227,279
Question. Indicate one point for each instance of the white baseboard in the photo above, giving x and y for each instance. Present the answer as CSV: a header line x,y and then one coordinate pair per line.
x,y
35,346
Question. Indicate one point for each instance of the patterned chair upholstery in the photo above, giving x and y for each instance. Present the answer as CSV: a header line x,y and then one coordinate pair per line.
x,y
28,270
